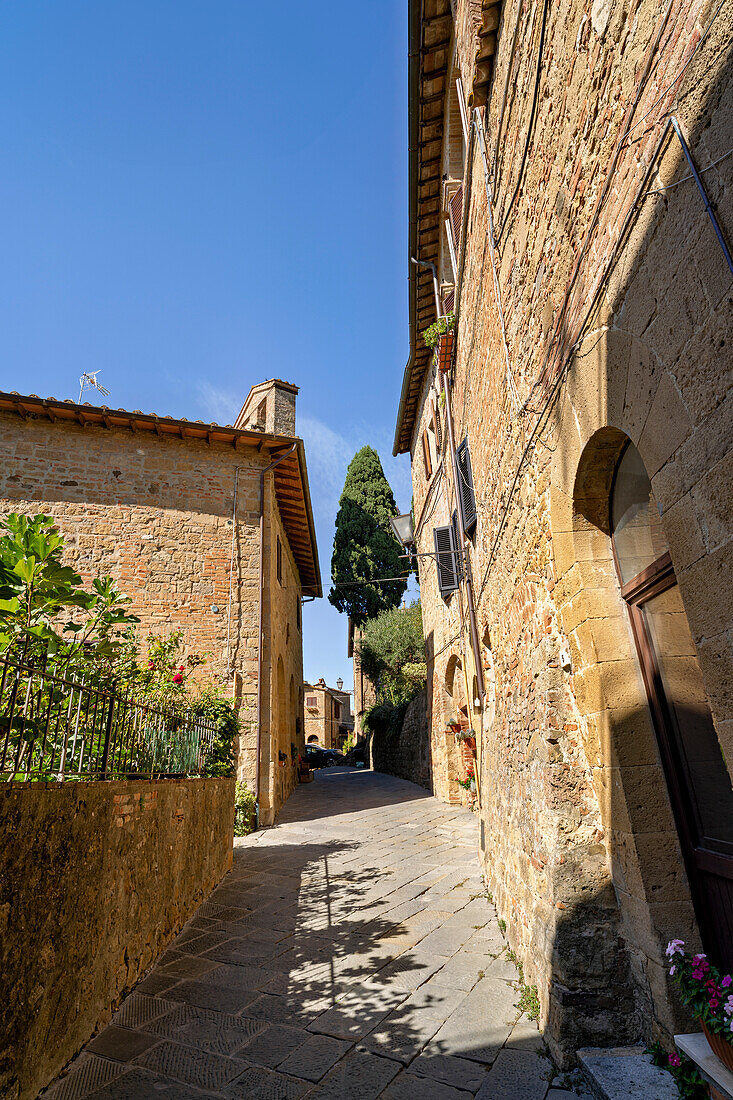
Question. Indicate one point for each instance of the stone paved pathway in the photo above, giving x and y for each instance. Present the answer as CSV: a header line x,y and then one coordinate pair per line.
x,y
351,952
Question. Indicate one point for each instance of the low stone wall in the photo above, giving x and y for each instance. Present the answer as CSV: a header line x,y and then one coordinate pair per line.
x,y
405,752
95,879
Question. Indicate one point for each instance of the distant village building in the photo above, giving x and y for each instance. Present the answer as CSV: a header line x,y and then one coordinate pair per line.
x,y
365,694
328,718
571,465
209,529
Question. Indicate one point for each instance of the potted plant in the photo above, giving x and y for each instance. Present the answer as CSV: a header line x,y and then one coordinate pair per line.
x,y
466,738
439,337
468,783
709,996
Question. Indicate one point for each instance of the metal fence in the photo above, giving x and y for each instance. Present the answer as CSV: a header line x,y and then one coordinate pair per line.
x,y
54,728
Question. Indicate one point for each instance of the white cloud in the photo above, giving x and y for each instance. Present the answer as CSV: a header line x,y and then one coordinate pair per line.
x,y
327,454
221,405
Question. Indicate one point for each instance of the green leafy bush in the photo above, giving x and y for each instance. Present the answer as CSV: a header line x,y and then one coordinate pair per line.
x,y
432,334
244,810
392,653
45,611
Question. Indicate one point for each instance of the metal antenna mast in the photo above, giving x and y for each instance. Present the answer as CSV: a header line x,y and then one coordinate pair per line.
x,y
89,378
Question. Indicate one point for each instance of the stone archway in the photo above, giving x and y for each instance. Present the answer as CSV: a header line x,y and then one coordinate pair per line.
x,y
647,869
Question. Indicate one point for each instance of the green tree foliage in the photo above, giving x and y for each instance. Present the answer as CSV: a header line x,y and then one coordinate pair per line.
x,y
45,609
364,548
392,653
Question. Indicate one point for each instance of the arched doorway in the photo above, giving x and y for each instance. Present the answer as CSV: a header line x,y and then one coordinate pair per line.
x,y
698,780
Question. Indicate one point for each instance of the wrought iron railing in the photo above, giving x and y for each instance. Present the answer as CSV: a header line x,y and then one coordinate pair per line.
x,y
55,728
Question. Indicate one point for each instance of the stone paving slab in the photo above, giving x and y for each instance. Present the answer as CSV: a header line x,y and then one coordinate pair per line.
x,y
351,953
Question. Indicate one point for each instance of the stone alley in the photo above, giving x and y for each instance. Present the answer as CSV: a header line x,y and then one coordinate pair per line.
x,y
351,951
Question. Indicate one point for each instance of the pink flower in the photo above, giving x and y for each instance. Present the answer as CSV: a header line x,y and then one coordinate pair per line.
x,y
701,962
728,1006
151,664
713,1002
178,679
181,668
698,974
672,971
674,1060
726,981
674,947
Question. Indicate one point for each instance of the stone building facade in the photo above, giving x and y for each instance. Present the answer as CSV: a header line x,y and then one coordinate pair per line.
x,y
587,418
209,529
328,720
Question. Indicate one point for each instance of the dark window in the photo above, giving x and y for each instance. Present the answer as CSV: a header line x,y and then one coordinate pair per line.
x,y
446,559
466,497
279,560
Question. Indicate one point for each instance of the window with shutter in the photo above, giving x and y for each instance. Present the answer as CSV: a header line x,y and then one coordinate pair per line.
x,y
437,427
279,560
455,215
427,457
466,495
446,559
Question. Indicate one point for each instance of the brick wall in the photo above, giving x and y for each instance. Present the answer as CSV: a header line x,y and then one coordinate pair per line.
x,y
156,513
574,809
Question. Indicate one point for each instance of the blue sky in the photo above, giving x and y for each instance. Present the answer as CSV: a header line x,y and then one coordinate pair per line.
x,y
200,194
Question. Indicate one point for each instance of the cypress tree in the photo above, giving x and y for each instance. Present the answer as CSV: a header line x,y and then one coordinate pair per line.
x,y
364,547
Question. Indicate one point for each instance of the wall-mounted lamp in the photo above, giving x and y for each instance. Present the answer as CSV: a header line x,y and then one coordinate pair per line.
x,y
403,530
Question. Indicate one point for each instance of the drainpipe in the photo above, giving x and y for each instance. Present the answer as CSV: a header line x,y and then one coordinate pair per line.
x,y
263,472
436,285
464,553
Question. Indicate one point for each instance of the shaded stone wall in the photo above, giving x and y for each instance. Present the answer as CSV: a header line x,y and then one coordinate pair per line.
x,y
95,879
573,804
405,751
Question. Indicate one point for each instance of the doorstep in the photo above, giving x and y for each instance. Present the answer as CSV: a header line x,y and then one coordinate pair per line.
x,y
720,1079
619,1072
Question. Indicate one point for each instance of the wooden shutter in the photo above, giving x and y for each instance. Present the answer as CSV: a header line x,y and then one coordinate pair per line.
x,y
455,216
466,495
426,454
437,427
446,559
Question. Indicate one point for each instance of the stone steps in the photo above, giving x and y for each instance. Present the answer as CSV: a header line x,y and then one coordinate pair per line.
x,y
621,1072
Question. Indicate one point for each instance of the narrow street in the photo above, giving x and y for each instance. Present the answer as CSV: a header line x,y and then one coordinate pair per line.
x,y
351,952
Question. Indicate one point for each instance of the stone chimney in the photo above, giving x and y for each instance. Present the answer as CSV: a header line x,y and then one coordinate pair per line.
x,y
270,408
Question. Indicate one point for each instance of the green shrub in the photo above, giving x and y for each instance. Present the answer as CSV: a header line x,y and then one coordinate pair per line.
x,y
245,808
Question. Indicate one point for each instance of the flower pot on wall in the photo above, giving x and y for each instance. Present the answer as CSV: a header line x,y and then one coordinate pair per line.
x,y
445,351
720,1047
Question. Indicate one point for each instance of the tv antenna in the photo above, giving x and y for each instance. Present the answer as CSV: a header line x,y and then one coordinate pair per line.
x,y
89,378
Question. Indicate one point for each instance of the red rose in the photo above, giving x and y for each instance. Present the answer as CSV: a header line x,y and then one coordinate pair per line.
x,y
178,679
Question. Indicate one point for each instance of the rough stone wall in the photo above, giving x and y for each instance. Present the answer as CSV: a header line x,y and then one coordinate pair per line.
x,y
405,752
95,879
574,808
156,513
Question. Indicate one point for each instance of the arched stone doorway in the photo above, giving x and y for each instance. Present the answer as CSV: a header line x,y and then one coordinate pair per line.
x,y
623,741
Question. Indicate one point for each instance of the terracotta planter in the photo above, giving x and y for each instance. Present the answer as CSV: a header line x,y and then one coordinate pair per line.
x,y
445,351
720,1047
